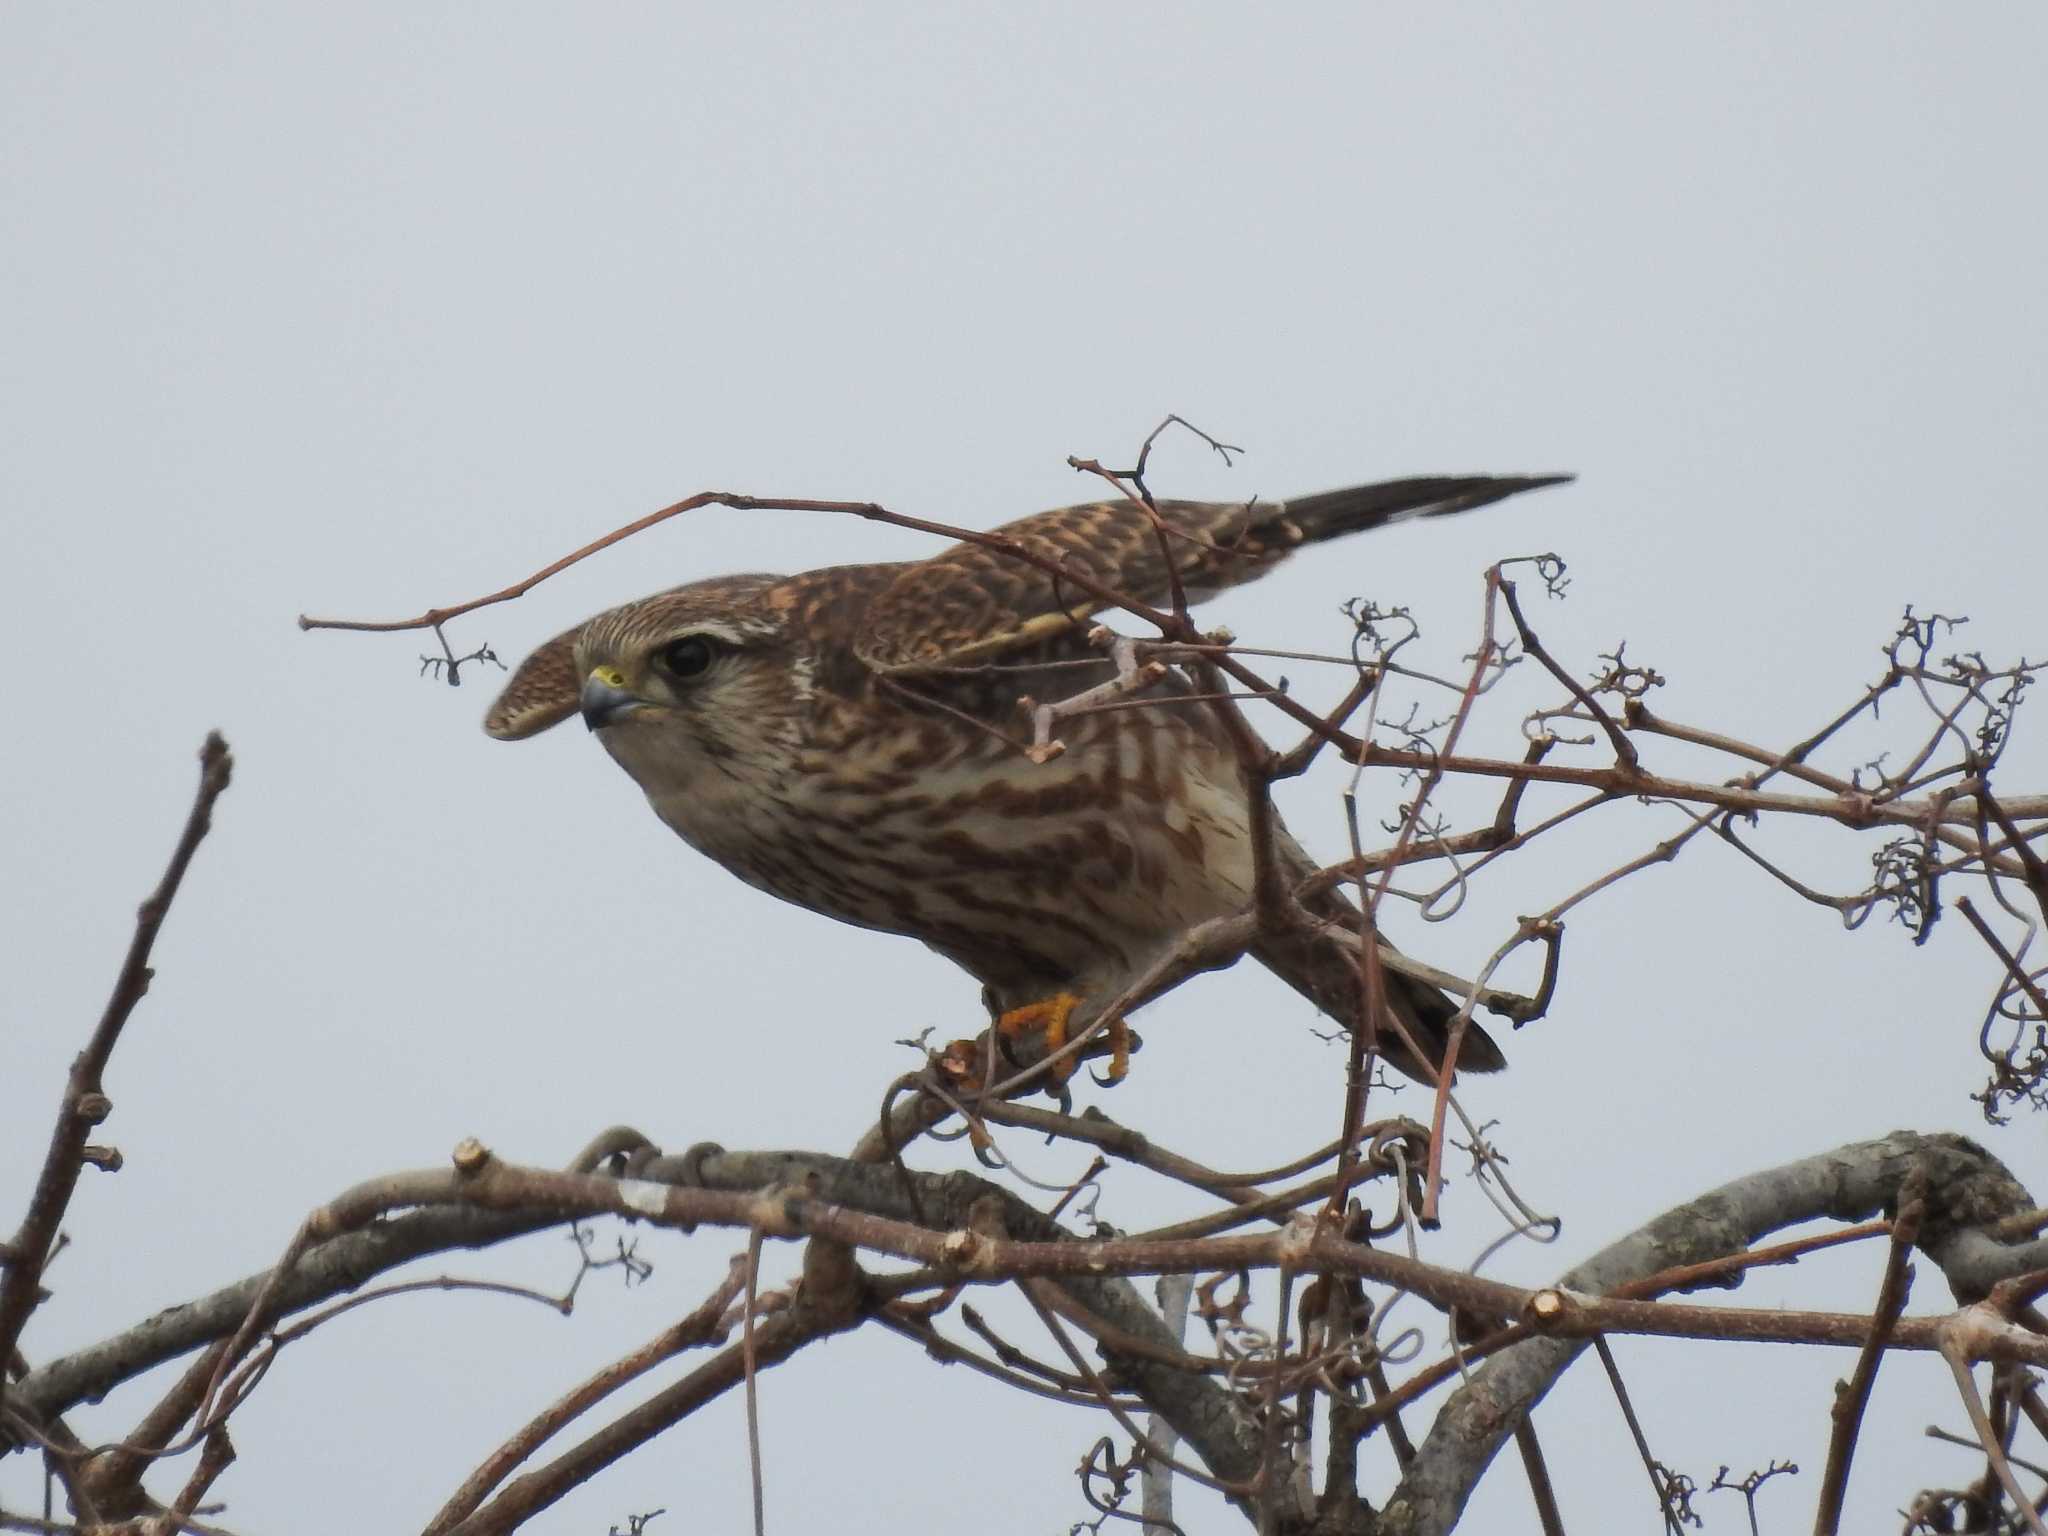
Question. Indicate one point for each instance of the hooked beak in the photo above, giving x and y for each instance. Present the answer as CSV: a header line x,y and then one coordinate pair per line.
x,y
605,700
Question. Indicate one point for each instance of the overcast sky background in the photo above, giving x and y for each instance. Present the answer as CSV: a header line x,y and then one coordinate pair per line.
x,y
360,310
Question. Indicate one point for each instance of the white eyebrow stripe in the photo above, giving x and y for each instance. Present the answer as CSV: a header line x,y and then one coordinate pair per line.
x,y
729,634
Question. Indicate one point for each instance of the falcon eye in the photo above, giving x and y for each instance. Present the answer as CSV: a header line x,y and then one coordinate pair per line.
x,y
688,656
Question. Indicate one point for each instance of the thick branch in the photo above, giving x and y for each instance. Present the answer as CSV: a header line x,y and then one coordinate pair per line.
x,y
1966,1189
972,1232
330,1269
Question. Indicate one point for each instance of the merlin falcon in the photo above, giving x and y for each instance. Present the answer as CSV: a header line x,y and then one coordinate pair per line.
x,y
847,739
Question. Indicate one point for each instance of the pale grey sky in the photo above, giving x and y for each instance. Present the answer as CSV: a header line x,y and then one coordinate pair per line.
x,y
357,310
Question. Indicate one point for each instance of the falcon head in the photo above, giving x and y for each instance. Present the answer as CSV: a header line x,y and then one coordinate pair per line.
x,y
672,684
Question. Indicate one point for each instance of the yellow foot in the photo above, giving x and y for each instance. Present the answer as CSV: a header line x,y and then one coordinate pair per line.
x,y
1119,1050
1054,1014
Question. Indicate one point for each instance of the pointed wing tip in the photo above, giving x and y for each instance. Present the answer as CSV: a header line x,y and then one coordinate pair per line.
x,y
1499,487
1485,490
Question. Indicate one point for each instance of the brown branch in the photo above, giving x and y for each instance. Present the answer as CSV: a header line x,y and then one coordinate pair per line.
x,y
1274,1208
113,1478
1022,1360
779,1337
1364,1035
1954,1351
701,1326
1638,716
1093,1128
1853,1396
329,1269
1109,1402
750,1365
1297,760
787,1196
1490,843
1617,738
1727,1269
947,1352
215,1457
1849,1183
978,1258
2022,846
85,1103
1850,810
1635,1429
1852,909
2006,957
1003,544
1541,1493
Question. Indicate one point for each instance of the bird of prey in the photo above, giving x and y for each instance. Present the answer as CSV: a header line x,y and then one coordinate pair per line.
x,y
846,739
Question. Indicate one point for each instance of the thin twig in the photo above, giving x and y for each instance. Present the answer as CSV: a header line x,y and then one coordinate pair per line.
x,y
1635,1429
1541,1493
85,1103
753,1377
1987,1435
701,1326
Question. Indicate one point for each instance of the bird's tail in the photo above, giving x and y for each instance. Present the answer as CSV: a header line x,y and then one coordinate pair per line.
x,y
1331,514
1324,968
